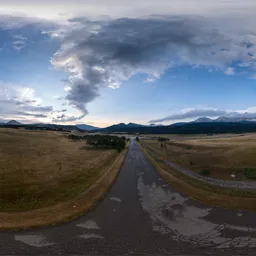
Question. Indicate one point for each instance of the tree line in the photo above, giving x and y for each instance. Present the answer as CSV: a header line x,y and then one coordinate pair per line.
x,y
192,128
102,141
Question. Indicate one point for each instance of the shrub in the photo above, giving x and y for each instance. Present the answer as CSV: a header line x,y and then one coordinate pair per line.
x,y
205,172
106,141
75,137
250,173
162,139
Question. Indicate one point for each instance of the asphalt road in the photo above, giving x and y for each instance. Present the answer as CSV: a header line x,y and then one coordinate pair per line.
x,y
141,214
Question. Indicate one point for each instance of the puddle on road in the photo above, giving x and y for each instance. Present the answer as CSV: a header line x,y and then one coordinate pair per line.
x,y
88,236
239,214
89,224
170,213
116,199
33,240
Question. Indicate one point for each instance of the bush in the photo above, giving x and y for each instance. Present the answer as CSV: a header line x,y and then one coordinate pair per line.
x,y
75,137
250,174
162,139
205,172
107,141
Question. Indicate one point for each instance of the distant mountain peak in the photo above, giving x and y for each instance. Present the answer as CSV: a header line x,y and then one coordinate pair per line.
x,y
13,122
87,127
203,120
134,125
156,125
223,119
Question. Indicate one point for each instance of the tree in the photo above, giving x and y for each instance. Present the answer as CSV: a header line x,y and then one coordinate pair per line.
x,y
120,144
107,141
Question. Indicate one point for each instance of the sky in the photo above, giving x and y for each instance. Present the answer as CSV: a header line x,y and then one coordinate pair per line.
x,y
102,62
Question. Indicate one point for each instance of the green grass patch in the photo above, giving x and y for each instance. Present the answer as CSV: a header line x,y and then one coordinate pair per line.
x,y
205,172
250,173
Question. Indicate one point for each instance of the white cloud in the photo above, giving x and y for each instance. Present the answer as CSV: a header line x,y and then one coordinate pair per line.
x,y
253,76
63,118
153,77
26,93
192,113
64,9
19,42
21,103
58,97
229,71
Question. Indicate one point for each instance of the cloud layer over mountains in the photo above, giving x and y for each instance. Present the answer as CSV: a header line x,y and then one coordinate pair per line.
x,y
248,114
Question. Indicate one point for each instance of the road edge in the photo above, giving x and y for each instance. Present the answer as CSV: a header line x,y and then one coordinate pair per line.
x,y
211,199
68,210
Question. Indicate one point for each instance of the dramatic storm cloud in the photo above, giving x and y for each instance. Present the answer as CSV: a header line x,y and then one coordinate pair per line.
x,y
99,54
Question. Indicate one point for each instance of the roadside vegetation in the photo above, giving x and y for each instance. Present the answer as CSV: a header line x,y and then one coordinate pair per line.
x,y
42,168
102,141
205,193
231,158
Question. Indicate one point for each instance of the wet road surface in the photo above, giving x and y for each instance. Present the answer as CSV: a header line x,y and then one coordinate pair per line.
x,y
143,215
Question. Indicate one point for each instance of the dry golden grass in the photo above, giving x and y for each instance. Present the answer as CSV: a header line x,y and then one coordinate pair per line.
x,y
221,156
225,198
41,168
67,210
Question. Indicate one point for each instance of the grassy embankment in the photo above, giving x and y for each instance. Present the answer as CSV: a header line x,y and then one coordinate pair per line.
x,y
220,156
45,177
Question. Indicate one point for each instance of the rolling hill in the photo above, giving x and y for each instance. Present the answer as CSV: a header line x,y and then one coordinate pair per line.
x,y
41,126
13,122
87,127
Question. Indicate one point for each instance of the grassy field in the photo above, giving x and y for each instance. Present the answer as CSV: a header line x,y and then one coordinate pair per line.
x,y
40,168
214,156
210,195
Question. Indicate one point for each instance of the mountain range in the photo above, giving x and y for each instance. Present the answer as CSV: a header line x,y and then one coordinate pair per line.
x,y
223,119
200,125
55,127
86,127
